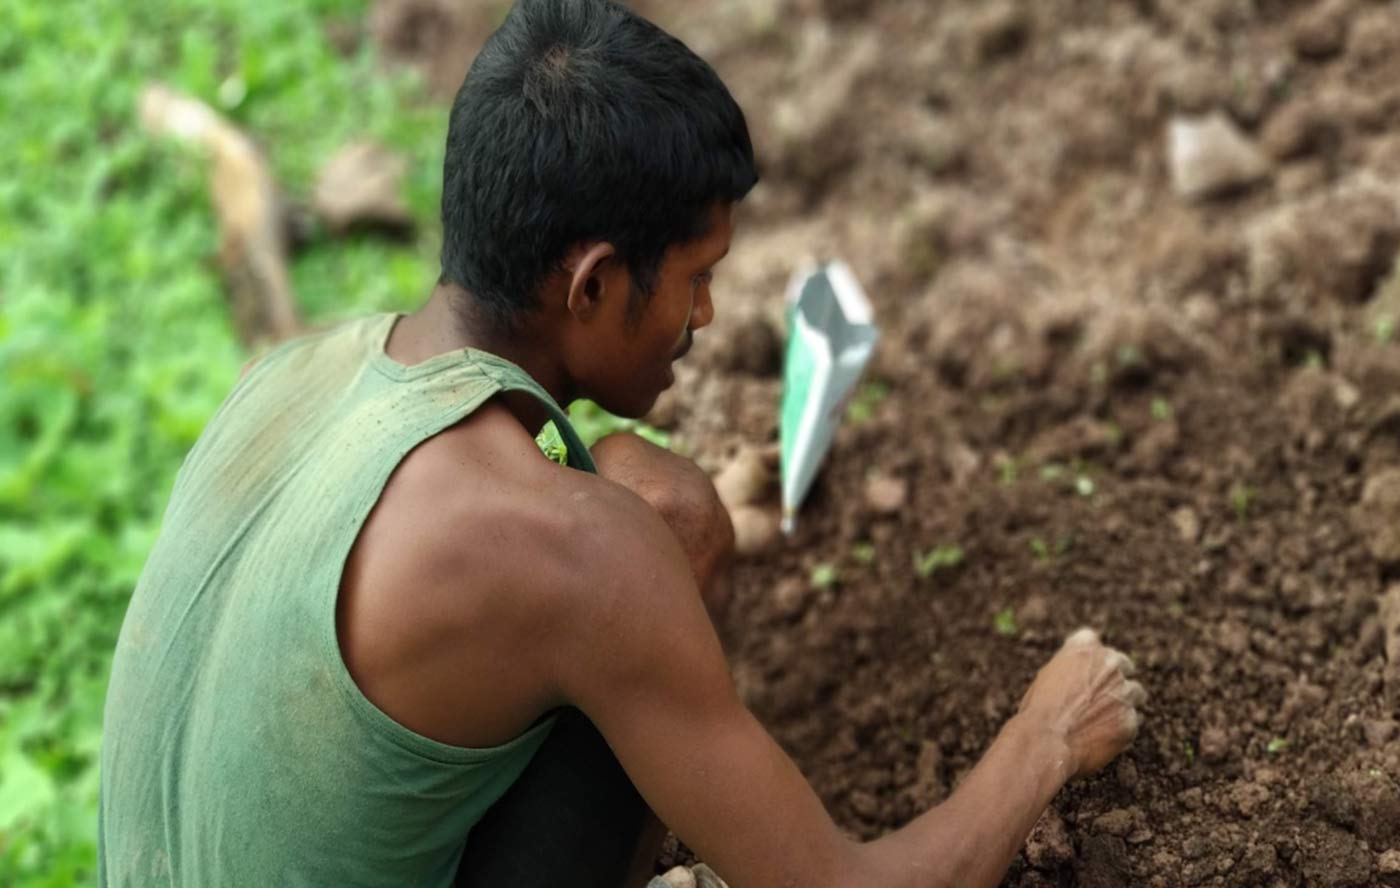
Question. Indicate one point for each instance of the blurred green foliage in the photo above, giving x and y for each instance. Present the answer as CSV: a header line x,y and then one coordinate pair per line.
x,y
115,343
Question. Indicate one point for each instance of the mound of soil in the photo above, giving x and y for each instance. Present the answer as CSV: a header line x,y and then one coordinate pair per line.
x,y
1172,413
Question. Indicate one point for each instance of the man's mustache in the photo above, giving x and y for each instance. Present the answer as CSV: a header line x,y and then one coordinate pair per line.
x,y
685,346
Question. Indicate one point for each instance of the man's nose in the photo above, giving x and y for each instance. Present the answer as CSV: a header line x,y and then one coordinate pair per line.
x,y
703,312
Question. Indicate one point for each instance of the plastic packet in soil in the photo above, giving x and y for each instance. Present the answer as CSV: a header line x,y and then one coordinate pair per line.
x,y
831,334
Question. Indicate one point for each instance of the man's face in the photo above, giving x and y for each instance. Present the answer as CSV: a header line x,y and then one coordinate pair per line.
x,y
631,353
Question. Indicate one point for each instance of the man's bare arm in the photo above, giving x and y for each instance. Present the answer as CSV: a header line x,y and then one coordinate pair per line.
x,y
639,656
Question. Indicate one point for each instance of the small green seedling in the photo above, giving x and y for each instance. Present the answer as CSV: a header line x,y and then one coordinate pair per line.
x,y
1008,471
1276,745
824,576
1052,472
863,553
1241,498
1084,486
1162,410
1004,622
1385,328
1314,359
937,559
1044,551
867,398
1189,750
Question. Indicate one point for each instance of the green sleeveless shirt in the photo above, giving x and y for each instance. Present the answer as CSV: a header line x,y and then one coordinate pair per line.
x,y
237,750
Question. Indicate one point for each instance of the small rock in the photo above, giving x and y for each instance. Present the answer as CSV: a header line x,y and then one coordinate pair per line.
x,y
1379,731
678,877
1323,33
1002,29
865,804
1234,637
1259,861
1048,845
1375,36
1127,773
1188,525
929,786
1336,247
886,494
1300,128
1215,744
1300,698
747,478
1388,864
962,462
1346,395
1103,862
1248,797
756,531
1332,858
1377,517
1194,87
359,188
1118,822
789,596
1377,804
1034,611
1209,157
1155,447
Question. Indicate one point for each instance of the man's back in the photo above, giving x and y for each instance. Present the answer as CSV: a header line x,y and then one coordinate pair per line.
x,y
238,748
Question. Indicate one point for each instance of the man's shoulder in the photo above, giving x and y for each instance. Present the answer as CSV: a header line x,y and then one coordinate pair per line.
x,y
497,507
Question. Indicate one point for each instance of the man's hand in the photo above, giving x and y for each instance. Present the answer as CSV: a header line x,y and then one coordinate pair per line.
x,y
1084,696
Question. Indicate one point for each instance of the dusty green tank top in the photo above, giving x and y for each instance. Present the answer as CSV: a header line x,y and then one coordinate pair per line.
x,y
237,750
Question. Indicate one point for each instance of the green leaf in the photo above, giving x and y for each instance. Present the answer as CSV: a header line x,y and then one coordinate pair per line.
x,y
1004,622
937,559
863,553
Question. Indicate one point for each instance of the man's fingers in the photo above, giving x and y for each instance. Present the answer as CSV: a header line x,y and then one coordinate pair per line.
x,y
1081,637
1132,693
1134,722
1121,662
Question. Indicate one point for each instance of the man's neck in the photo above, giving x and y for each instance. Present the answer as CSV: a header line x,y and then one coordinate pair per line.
x,y
437,328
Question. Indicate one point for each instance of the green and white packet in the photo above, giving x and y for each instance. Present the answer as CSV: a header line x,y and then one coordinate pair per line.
x,y
831,335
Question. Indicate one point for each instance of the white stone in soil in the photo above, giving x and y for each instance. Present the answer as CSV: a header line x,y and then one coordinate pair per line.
x,y
1210,156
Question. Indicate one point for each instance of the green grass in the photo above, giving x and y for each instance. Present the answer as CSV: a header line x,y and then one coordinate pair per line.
x,y
115,345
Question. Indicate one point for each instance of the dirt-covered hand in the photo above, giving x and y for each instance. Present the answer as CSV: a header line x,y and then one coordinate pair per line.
x,y
1084,696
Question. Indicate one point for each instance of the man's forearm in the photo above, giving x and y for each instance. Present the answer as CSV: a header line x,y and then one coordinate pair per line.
x,y
970,839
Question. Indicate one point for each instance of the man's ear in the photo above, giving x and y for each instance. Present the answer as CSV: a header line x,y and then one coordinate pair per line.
x,y
588,278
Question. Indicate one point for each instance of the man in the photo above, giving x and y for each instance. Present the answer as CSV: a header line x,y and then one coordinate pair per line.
x,y
360,649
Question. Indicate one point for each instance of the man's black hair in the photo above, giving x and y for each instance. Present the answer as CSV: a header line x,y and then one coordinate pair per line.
x,y
580,120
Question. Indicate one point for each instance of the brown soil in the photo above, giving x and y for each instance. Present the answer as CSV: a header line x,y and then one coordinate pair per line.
x,y
1220,374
